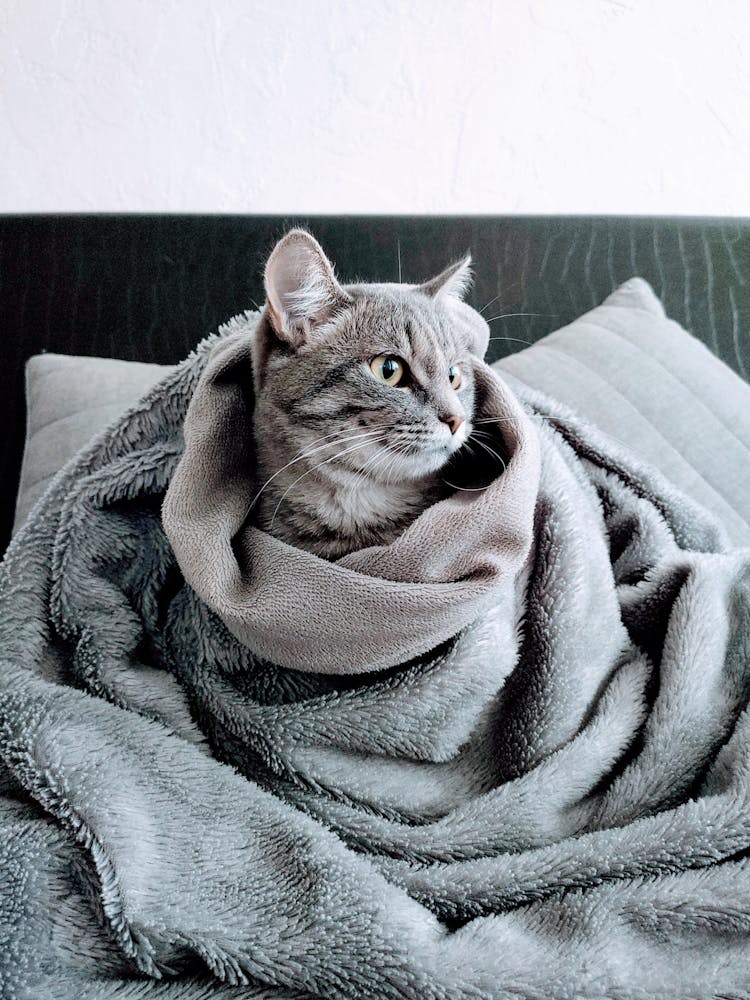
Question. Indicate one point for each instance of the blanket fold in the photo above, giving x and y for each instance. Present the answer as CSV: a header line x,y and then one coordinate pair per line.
x,y
535,784
374,608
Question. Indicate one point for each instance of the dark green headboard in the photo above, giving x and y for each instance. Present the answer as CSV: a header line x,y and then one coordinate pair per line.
x,y
149,287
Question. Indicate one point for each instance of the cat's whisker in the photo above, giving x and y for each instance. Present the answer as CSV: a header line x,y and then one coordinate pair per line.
x,y
517,340
391,454
488,304
483,433
309,472
510,288
495,420
331,438
454,486
400,281
492,438
336,438
306,454
511,315
493,453
380,462
465,489
488,448
398,452
377,460
334,434
468,445
370,465
491,441
492,420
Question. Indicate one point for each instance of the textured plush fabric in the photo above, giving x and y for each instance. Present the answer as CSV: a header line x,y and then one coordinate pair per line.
x,y
551,804
624,366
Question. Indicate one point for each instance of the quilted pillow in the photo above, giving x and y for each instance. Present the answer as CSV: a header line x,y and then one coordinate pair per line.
x,y
658,389
623,365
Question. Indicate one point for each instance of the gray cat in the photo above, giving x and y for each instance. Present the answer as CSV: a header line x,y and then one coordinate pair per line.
x,y
364,397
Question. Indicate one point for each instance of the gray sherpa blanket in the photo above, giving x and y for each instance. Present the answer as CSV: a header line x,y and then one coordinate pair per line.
x,y
546,799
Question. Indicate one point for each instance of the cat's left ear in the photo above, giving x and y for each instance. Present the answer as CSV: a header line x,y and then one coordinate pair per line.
x,y
451,285
302,293
454,282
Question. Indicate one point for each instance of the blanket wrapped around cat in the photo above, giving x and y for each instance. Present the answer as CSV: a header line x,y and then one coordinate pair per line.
x,y
504,756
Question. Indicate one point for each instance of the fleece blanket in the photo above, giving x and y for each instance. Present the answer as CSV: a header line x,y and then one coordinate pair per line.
x,y
377,607
547,800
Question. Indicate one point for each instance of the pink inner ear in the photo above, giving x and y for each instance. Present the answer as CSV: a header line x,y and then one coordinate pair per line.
x,y
300,287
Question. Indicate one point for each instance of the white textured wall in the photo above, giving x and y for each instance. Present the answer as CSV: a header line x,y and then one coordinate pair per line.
x,y
634,106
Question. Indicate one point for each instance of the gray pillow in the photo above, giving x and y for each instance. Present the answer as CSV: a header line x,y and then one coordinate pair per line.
x,y
658,389
624,365
68,401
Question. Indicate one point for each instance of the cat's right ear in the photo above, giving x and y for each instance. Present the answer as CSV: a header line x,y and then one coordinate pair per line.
x,y
301,290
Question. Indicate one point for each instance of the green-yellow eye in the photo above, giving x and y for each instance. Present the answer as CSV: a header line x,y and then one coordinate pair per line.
x,y
454,376
388,369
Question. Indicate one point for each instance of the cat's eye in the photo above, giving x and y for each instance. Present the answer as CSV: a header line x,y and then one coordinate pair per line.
x,y
389,369
454,376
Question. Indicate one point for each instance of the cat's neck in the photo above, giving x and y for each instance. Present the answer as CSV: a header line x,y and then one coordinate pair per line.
x,y
330,511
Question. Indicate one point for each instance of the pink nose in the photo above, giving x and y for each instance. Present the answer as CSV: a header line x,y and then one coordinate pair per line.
x,y
453,422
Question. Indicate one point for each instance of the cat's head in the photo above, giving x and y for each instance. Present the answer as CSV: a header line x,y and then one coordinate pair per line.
x,y
382,370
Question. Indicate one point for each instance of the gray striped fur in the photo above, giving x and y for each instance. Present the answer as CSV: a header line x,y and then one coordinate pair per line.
x,y
344,460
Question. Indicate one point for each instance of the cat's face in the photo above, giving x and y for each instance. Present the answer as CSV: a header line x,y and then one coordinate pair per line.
x,y
377,378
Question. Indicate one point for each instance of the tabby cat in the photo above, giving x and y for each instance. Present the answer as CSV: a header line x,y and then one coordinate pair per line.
x,y
364,397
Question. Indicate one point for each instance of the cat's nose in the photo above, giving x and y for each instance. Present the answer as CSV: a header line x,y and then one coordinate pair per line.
x,y
453,421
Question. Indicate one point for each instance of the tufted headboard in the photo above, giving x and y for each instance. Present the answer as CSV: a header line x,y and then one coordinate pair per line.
x,y
148,288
